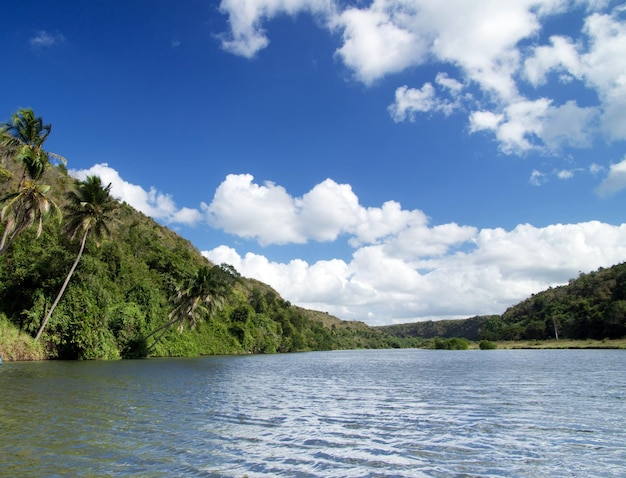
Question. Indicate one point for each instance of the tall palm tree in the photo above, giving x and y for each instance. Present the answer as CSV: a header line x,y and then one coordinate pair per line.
x,y
26,134
200,295
89,210
22,138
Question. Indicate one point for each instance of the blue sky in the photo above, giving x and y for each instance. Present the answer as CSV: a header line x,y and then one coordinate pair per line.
x,y
386,161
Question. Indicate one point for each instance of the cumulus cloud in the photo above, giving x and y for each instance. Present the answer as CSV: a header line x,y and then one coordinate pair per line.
x,y
269,215
382,284
152,203
379,40
265,213
493,46
402,268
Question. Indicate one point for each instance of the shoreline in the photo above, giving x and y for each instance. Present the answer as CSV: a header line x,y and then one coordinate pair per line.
x,y
562,344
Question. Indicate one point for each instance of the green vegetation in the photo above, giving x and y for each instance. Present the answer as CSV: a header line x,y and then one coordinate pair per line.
x,y
591,307
16,345
467,328
454,343
487,345
137,290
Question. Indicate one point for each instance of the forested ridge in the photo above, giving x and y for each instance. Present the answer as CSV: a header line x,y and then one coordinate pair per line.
x,y
592,306
138,288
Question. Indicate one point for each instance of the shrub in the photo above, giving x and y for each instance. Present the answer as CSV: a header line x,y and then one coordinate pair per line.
x,y
487,345
454,343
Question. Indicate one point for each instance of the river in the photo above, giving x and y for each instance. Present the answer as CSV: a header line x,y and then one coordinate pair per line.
x,y
376,413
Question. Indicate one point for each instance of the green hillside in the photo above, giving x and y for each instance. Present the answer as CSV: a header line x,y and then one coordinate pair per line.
x,y
130,294
593,306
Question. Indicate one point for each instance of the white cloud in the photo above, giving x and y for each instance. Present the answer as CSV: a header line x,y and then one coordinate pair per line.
x,y
43,39
605,68
269,215
561,55
402,267
537,178
537,125
595,168
494,45
152,203
245,17
454,86
264,213
484,120
379,40
379,287
615,180
411,101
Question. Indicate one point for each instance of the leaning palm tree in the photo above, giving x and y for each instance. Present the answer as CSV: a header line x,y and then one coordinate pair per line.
x,y
22,138
200,295
89,210
21,209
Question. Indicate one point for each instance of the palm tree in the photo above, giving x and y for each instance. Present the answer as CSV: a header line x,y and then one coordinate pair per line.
x,y
22,138
200,295
90,209
26,134
29,204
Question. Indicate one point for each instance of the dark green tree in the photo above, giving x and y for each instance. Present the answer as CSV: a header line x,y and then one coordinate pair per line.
x,y
89,210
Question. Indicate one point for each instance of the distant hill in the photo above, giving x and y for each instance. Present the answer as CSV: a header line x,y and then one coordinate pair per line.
x,y
123,288
593,306
466,328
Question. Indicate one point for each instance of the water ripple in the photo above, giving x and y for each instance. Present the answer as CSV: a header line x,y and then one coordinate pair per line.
x,y
401,413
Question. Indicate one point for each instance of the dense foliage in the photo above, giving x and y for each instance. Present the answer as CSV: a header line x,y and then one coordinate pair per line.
x,y
144,290
467,328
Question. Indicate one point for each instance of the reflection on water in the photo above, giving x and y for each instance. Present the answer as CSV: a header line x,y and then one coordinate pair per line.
x,y
398,413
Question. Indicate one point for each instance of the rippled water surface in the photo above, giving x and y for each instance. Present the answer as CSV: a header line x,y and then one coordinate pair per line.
x,y
393,413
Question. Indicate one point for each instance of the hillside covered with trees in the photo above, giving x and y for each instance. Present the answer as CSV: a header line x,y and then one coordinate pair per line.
x,y
84,276
593,306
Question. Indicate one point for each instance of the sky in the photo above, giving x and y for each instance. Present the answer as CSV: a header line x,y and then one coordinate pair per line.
x,y
386,161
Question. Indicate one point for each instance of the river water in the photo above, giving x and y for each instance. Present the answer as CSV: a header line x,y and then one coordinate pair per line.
x,y
377,413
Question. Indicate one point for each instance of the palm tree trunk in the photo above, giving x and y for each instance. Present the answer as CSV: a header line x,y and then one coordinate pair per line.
x,y
163,329
67,280
555,323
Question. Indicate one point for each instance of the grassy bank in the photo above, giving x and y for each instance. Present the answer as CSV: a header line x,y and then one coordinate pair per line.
x,y
16,345
564,344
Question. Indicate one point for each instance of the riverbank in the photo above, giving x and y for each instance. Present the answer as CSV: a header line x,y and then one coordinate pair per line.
x,y
564,344
18,346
